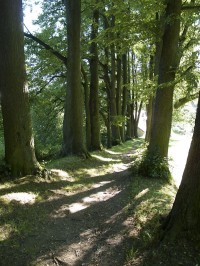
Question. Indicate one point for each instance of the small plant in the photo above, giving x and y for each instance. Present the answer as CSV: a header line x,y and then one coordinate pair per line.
x,y
154,166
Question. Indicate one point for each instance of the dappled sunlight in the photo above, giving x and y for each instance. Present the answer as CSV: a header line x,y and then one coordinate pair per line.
x,y
93,198
99,171
142,193
76,207
111,168
102,183
78,215
86,201
115,240
168,190
21,197
101,158
113,152
63,175
5,232
119,167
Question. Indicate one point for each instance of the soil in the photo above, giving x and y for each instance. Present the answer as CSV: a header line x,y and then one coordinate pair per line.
x,y
86,227
93,226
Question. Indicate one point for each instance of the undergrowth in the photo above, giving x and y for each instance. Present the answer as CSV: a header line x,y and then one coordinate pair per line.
x,y
152,165
150,199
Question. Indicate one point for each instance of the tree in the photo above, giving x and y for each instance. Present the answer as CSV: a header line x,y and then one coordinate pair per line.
x,y
73,137
94,84
184,217
115,28
18,137
163,105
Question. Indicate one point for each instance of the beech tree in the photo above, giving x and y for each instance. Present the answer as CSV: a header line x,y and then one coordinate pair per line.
x,y
18,137
73,137
109,31
94,84
184,218
163,105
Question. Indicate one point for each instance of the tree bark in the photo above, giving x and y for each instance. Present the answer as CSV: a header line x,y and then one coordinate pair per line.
x,y
19,142
124,93
113,105
87,107
119,85
73,137
94,86
184,218
149,106
163,106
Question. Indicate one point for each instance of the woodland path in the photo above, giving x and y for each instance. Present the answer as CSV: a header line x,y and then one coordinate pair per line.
x,y
87,227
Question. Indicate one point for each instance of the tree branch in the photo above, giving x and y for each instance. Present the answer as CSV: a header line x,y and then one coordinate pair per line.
x,y
47,47
48,82
195,8
186,99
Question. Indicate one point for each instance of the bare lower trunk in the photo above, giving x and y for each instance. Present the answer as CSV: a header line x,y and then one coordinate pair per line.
x,y
19,142
149,110
73,137
94,86
113,106
184,218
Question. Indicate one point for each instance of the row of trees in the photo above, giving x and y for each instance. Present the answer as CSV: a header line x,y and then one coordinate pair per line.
x,y
125,49
119,61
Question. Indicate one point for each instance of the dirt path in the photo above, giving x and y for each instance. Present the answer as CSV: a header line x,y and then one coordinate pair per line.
x,y
90,227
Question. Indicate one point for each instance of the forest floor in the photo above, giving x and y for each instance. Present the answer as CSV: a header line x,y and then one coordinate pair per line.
x,y
88,212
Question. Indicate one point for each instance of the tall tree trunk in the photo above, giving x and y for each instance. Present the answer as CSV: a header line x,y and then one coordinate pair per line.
x,y
129,113
154,71
162,115
119,85
108,125
87,107
149,111
149,106
136,119
19,142
124,94
113,106
184,218
119,94
94,86
73,137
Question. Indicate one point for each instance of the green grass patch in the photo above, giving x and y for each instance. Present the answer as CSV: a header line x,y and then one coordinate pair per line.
x,y
24,200
151,200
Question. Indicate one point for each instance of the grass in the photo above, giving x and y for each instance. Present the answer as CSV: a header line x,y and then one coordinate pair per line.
x,y
150,199
72,174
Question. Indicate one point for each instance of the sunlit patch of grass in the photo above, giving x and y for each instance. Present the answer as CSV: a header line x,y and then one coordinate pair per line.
x,y
101,158
5,231
77,167
112,152
151,199
21,197
23,201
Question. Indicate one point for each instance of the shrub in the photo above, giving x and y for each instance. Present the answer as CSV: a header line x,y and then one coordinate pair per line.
x,y
153,165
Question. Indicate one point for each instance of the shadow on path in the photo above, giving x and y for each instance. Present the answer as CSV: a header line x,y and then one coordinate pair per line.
x,y
85,228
